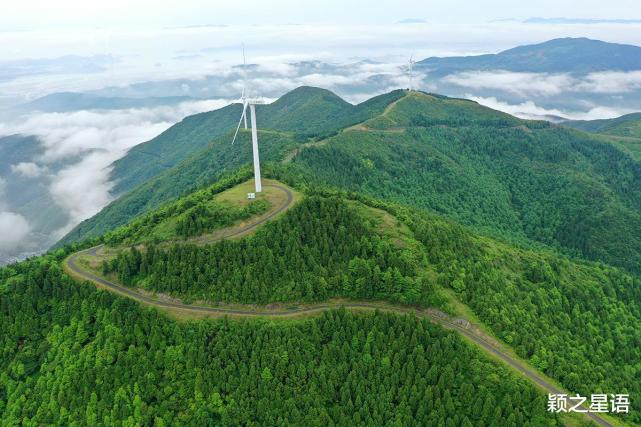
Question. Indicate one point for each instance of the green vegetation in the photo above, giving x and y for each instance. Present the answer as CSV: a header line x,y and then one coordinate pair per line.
x,y
421,109
520,180
546,212
627,125
201,171
206,156
195,214
71,355
321,248
303,113
580,323
577,322
525,183
624,131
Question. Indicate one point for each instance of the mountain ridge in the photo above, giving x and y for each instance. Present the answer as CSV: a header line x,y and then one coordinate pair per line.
x,y
563,55
208,156
481,167
316,113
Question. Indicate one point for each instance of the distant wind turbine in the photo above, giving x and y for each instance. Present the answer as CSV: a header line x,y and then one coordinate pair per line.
x,y
251,102
410,70
242,95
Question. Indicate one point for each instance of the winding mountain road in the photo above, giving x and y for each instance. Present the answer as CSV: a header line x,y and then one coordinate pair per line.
x,y
461,326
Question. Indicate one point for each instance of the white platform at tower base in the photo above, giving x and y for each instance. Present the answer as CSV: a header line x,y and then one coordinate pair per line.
x,y
251,196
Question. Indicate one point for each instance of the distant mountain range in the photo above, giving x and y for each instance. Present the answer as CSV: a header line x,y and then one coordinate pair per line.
x,y
580,21
564,55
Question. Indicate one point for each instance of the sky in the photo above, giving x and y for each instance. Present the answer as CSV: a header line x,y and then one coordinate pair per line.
x,y
44,14
192,49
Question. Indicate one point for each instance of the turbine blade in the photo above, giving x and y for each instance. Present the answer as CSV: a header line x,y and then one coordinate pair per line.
x,y
244,73
239,123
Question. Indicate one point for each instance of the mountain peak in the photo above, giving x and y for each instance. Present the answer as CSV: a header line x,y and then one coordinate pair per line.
x,y
562,55
304,94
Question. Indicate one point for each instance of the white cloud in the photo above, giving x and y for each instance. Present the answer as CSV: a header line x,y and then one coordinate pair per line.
x,y
530,110
544,84
329,80
97,138
69,134
280,68
13,229
611,82
83,189
28,169
3,187
523,84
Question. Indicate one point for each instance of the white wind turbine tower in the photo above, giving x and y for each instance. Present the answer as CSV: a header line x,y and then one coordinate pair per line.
x,y
251,102
411,70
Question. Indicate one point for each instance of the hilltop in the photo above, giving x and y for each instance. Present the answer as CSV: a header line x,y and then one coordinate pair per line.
x,y
627,125
625,131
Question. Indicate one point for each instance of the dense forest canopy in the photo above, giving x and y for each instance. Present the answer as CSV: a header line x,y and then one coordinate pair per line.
x,y
73,355
530,226
526,181
570,319
532,182
322,248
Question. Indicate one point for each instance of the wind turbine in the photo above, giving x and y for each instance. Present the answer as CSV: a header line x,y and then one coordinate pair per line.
x,y
411,66
251,103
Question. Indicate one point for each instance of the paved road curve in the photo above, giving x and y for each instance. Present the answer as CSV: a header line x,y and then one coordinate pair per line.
x,y
434,315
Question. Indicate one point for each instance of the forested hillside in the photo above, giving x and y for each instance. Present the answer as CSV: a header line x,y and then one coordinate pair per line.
x,y
627,125
522,180
199,212
576,321
624,131
531,182
304,112
74,355
208,155
222,162
538,203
